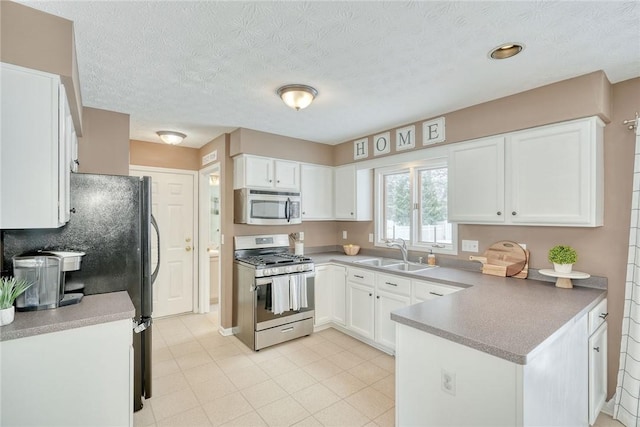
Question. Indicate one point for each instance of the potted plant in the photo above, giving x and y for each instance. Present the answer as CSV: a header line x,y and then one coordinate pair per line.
x,y
10,289
563,257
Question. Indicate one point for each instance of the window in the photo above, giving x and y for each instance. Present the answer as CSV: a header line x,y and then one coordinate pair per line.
x,y
411,204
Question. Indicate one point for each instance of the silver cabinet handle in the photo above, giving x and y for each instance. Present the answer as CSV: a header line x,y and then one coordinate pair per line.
x,y
436,294
597,349
603,315
499,213
391,284
359,277
370,294
286,330
514,213
377,296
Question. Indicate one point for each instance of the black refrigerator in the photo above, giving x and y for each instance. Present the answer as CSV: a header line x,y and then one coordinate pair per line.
x,y
111,222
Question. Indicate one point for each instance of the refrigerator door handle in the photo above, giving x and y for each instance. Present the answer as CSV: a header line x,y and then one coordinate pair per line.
x,y
155,271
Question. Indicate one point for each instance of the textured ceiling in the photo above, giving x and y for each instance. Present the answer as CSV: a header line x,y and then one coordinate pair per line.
x,y
208,67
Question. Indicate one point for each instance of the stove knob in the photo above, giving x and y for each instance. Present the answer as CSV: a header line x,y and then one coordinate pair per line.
x,y
288,269
266,271
301,267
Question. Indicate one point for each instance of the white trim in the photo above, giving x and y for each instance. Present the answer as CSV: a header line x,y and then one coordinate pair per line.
x,y
225,332
608,406
203,231
196,240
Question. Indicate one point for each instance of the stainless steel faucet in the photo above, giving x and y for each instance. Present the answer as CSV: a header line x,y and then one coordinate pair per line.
x,y
400,244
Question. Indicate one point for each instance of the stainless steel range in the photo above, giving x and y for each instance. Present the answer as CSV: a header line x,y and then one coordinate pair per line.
x,y
273,291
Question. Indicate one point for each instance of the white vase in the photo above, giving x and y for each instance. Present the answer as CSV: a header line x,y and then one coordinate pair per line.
x,y
7,315
562,268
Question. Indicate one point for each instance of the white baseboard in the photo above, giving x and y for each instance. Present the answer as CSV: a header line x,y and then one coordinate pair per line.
x,y
367,341
608,406
225,332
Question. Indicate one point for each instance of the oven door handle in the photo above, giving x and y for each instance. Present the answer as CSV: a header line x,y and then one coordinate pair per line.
x,y
268,280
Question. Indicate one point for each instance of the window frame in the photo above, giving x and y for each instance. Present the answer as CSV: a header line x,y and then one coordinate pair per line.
x,y
413,168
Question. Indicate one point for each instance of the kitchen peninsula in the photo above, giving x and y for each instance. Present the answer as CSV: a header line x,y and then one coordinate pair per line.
x,y
499,351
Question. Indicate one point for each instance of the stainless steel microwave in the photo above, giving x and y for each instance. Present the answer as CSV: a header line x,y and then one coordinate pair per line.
x,y
263,207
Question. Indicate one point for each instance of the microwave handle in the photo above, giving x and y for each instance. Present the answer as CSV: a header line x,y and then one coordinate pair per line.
x,y
287,208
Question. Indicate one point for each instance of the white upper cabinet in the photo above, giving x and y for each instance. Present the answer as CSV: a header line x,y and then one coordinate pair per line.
x,y
551,175
353,191
476,181
36,150
316,184
265,172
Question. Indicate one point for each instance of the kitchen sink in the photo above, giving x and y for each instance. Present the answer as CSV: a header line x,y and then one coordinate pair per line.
x,y
409,267
380,262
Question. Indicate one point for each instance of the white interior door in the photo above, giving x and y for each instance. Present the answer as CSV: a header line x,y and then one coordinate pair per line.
x,y
172,200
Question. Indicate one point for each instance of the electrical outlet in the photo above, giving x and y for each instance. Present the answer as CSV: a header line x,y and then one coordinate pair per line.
x,y
370,237
344,234
470,246
448,382
301,236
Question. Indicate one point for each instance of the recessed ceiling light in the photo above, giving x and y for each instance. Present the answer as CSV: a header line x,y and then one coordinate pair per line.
x,y
506,50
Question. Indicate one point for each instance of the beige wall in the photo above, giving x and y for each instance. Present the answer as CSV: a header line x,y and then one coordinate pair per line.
x,y
104,148
34,39
158,155
248,141
602,250
583,96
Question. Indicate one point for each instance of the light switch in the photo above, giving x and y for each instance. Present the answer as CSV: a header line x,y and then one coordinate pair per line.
x,y
470,246
344,234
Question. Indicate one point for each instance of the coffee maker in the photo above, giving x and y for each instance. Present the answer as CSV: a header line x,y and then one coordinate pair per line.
x,y
47,271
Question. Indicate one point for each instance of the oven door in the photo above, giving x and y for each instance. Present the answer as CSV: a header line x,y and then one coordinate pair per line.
x,y
263,313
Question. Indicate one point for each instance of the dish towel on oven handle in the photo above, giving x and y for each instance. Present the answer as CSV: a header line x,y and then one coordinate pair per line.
x,y
280,301
298,291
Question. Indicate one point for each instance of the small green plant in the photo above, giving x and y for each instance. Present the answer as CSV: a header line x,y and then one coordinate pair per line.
x,y
562,254
10,289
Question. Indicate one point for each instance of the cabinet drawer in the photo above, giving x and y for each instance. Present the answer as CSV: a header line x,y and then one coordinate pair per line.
x,y
360,276
395,284
597,316
429,290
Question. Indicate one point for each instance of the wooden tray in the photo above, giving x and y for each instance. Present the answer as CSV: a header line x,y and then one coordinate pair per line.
x,y
503,258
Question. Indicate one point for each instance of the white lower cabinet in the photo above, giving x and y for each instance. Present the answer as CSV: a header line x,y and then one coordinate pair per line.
x,y
360,309
424,291
385,328
330,294
597,360
76,377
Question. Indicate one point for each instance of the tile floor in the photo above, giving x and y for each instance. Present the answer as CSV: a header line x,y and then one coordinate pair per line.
x,y
201,378
328,379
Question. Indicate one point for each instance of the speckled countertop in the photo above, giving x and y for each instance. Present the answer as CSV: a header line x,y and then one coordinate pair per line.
x,y
509,318
92,310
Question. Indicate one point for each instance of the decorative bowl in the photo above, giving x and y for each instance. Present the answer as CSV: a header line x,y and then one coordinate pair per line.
x,y
351,249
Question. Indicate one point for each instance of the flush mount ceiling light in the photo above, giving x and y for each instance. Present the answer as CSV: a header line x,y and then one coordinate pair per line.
x,y
506,51
297,96
171,137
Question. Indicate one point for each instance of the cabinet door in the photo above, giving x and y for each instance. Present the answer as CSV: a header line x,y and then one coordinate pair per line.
x,y
385,328
66,135
322,289
287,175
424,291
316,183
597,372
30,149
552,175
259,172
476,182
360,309
339,295
345,192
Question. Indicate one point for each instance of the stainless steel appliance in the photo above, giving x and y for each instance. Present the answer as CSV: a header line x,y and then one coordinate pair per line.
x,y
111,223
47,271
262,207
261,261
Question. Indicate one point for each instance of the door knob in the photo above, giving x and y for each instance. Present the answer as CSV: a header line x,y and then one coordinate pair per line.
x,y
188,248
